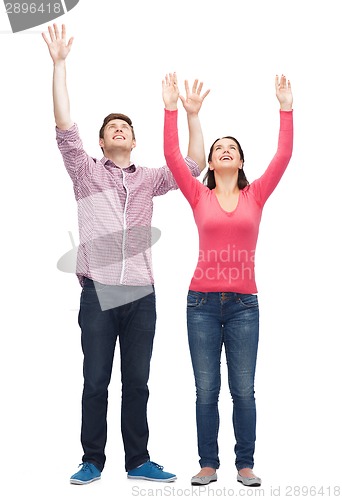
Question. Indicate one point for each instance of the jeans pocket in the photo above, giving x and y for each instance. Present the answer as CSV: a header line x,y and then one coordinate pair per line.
x,y
195,299
248,300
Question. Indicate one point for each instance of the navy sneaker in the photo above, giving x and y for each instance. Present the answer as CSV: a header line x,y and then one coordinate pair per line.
x,y
87,474
151,472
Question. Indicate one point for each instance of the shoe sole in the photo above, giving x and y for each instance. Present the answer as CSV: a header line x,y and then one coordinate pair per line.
x,y
203,484
78,481
249,484
152,479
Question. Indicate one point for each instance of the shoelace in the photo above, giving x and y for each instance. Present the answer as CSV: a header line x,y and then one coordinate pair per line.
x,y
85,466
157,465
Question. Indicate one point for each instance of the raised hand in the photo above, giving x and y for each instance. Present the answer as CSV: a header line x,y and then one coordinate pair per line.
x,y
170,91
57,45
284,93
192,102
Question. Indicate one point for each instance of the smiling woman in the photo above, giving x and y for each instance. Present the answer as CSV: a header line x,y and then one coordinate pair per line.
x,y
226,153
222,305
218,148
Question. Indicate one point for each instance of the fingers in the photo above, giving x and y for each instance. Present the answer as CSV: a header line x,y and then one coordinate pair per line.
x,y
205,93
182,99
170,80
55,27
63,32
276,82
194,87
55,35
197,89
187,89
51,33
45,38
70,42
280,83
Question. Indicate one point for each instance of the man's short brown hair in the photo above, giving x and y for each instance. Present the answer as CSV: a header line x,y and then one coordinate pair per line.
x,y
116,116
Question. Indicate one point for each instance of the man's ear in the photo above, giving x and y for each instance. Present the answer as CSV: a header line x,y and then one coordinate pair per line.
x,y
101,142
133,144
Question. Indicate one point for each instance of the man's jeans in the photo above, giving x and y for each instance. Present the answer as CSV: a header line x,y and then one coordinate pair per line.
x,y
134,324
230,319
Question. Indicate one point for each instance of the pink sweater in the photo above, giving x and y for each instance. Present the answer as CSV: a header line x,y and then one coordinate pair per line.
x,y
227,240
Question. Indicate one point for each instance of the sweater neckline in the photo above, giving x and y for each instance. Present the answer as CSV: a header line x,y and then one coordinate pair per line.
x,y
230,213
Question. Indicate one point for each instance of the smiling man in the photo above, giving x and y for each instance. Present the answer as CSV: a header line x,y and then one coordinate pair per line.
x,y
115,202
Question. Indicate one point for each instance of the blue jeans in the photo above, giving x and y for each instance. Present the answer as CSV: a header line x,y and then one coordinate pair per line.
x,y
231,319
134,324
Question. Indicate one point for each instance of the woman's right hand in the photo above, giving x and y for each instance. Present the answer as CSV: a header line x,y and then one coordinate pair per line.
x,y
170,91
284,93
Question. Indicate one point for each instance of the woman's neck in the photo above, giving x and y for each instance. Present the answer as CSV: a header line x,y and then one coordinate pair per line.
x,y
227,183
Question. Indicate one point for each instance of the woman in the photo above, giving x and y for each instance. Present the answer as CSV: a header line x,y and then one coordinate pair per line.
x,y
222,306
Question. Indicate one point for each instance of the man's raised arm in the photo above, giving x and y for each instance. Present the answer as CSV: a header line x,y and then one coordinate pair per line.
x,y
59,51
192,103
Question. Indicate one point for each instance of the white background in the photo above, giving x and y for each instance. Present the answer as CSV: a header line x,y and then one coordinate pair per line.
x,y
121,52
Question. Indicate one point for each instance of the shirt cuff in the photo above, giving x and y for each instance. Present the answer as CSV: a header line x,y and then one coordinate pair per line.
x,y
70,134
193,166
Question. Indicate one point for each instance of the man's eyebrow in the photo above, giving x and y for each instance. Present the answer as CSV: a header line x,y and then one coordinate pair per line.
x,y
116,124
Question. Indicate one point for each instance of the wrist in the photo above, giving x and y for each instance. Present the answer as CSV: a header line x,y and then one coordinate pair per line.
x,y
171,107
59,63
285,106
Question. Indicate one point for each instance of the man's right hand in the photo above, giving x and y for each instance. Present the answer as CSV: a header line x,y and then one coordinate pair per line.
x,y
57,45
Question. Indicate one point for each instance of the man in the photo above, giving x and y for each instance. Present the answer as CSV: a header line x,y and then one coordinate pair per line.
x,y
115,201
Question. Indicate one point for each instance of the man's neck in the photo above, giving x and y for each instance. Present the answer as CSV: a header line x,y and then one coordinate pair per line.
x,y
121,160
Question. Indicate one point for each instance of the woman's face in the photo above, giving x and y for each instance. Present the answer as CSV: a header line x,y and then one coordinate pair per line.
x,y
225,154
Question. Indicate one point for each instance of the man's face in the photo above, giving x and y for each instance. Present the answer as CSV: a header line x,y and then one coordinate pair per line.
x,y
117,135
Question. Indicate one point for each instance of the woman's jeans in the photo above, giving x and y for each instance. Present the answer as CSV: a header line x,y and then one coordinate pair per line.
x,y
134,324
230,319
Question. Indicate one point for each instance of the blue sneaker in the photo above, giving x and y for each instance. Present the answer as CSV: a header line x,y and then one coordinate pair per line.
x,y
87,474
151,472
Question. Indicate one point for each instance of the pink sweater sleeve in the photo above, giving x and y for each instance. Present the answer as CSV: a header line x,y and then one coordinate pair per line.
x,y
188,184
265,185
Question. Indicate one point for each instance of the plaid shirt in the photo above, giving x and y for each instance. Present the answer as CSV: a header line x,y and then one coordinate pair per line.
x,y
114,213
